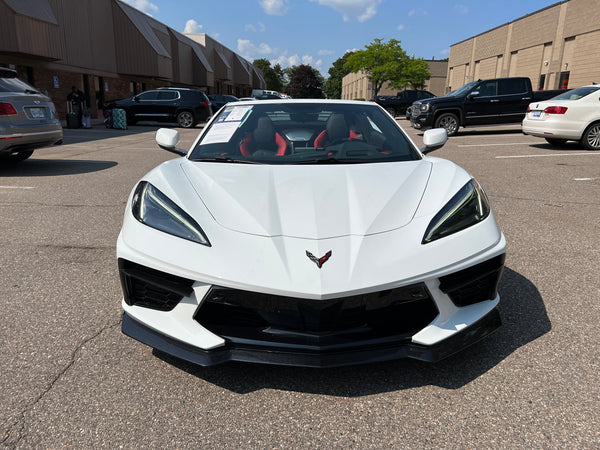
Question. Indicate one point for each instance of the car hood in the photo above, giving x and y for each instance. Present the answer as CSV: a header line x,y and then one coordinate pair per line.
x,y
310,201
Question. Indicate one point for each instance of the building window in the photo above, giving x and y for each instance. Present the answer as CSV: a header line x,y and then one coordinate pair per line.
x,y
542,82
564,80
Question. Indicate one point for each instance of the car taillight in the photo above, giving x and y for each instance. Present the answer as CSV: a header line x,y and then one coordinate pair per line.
x,y
6,109
555,110
528,109
205,104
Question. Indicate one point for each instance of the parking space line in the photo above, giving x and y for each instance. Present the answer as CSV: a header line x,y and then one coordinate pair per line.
x,y
545,156
17,187
493,145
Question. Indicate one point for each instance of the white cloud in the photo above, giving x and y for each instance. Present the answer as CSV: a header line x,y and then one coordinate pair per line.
x,y
275,7
143,5
259,27
400,27
191,26
250,51
363,10
325,52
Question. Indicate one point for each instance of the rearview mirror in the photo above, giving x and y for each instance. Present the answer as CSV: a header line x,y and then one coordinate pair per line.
x,y
434,139
473,94
168,139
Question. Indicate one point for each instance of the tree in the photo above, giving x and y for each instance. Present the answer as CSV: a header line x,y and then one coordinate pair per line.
x,y
272,76
333,85
415,74
305,82
381,61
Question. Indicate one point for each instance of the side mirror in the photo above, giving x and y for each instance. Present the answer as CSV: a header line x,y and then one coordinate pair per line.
x,y
136,99
434,139
168,139
473,95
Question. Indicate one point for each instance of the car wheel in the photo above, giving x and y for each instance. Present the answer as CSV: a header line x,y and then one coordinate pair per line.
x,y
185,119
449,122
16,157
555,142
591,137
392,111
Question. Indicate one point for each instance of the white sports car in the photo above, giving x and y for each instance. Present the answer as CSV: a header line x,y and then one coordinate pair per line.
x,y
573,115
311,233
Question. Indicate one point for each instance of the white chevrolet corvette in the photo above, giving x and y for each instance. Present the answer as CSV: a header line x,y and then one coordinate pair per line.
x,y
311,233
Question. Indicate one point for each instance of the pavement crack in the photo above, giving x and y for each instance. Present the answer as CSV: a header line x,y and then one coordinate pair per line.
x,y
14,431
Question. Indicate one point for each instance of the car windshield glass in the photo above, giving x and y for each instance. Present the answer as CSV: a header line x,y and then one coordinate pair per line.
x,y
576,94
285,132
15,85
462,90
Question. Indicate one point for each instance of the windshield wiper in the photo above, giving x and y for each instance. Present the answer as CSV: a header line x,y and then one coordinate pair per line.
x,y
30,91
223,159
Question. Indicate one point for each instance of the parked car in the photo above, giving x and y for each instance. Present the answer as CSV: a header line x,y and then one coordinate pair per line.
x,y
571,116
219,100
311,233
397,104
184,106
28,119
481,102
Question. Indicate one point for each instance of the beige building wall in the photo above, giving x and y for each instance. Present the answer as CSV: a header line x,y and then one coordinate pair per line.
x,y
556,43
357,85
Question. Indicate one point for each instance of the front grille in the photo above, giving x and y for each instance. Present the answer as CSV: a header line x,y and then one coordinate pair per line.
x,y
474,284
251,317
150,288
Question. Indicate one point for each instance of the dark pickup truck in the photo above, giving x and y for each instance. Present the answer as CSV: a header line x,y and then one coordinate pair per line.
x,y
396,104
481,102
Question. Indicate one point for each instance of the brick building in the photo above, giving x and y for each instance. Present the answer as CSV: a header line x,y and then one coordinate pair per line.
x,y
556,47
357,85
110,50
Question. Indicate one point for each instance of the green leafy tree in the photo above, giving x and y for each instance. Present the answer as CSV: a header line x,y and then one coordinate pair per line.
x,y
381,61
333,85
270,74
305,82
415,73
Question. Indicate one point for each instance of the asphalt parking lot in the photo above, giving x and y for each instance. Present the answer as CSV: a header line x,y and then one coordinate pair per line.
x,y
71,379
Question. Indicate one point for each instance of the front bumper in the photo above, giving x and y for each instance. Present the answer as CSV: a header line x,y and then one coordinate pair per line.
x,y
421,121
209,325
302,358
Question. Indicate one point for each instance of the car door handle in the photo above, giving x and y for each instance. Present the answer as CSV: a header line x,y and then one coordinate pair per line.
x,y
525,98
494,101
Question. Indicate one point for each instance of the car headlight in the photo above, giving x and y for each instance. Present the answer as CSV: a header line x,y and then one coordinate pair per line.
x,y
153,208
424,107
468,207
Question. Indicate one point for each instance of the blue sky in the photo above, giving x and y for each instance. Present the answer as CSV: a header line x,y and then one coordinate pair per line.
x,y
317,32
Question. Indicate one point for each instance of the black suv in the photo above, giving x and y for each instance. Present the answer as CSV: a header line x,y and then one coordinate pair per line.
x,y
185,106
219,100
396,105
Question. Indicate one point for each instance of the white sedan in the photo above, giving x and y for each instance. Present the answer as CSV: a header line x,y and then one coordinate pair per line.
x,y
571,116
311,233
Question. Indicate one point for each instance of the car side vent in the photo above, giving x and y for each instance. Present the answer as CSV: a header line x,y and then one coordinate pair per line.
x,y
474,284
150,288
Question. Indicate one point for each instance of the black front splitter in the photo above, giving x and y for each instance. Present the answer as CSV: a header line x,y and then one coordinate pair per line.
x,y
300,358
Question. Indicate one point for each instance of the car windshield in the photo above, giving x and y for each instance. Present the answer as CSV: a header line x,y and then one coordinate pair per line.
x,y
284,132
16,85
462,90
576,94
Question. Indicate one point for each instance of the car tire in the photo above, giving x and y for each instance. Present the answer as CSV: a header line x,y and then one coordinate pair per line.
x,y
449,122
185,119
392,111
591,137
16,157
555,142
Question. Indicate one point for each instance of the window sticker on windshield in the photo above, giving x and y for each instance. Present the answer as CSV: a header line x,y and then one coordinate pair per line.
x,y
234,114
226,124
